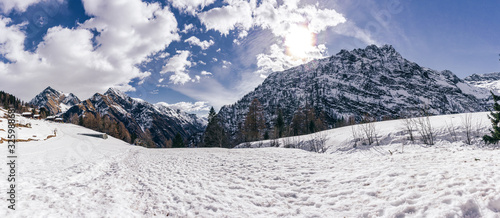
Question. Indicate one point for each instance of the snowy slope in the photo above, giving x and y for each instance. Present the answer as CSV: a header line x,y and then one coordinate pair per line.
x,y
490,81
77,176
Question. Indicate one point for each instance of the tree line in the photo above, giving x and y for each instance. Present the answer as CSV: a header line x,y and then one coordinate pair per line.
x,y
306,120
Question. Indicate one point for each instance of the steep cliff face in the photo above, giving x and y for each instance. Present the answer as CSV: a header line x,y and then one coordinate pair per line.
x,y
54,101
376,80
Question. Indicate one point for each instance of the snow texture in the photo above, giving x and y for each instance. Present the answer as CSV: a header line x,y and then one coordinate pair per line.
x,y
73,175
490,81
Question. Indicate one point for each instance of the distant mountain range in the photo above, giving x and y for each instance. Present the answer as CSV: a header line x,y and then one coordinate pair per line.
x,y
490,81
137,115
376,81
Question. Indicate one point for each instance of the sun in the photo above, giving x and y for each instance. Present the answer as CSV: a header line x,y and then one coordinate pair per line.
x,y
299,42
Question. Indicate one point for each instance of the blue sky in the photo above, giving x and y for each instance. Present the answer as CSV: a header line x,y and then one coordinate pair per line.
x,y
193,54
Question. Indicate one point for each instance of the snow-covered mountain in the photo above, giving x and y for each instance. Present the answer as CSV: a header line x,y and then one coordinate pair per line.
x,y
376,80
137,115
490,81
55,101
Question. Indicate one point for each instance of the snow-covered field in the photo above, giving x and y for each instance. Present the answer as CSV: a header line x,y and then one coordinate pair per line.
x,y
73,175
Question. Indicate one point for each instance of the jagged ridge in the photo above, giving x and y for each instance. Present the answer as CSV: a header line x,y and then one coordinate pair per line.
x,y
54,101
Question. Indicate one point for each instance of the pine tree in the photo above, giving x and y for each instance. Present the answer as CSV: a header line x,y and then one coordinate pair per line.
x,y
254,122
280,124
215,135
178,141
495,120
298,126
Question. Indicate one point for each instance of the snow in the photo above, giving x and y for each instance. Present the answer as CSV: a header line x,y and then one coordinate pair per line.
x,y
73,175
64,107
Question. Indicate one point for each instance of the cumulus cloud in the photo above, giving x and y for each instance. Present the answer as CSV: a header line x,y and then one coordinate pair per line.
x,y
282,19
191,6
128,32
178,65
238,14
18,5
205,73
204,45
187,28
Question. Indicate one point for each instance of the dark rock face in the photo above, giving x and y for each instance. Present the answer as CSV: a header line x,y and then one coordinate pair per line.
x,y
376,80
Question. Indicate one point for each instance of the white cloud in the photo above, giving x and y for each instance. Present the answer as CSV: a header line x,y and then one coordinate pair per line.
x,y
187,28
202,63
129,32
18,5
191,6
225,64
238,14
205,73
204,45
282,19
178,64
214,59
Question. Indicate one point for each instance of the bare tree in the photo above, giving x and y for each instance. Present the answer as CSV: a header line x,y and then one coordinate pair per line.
x,y
317,142
409,126
369,130
274,143
451,130
425,129
467,123
356,134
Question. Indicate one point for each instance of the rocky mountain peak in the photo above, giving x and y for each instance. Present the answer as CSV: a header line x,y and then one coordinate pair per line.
x,y
116,94
54,100
375,80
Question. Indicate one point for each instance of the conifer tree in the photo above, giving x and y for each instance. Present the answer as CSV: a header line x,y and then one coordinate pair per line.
x,y
178,141
215,135
280,124
254,122
495,120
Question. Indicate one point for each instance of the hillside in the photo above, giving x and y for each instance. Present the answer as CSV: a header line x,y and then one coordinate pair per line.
x,y
375,81
72,174
147,121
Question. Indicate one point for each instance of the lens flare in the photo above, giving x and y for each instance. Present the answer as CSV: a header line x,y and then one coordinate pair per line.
x,y
299,42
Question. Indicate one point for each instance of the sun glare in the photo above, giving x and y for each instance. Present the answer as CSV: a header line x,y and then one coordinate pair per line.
x,y
299,42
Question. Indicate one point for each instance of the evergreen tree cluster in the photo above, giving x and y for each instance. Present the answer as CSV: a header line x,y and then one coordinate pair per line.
x,y
215,135
494,116
255,126
8,99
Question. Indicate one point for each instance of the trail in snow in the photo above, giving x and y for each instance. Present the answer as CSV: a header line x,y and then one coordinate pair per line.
x,y
74,175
